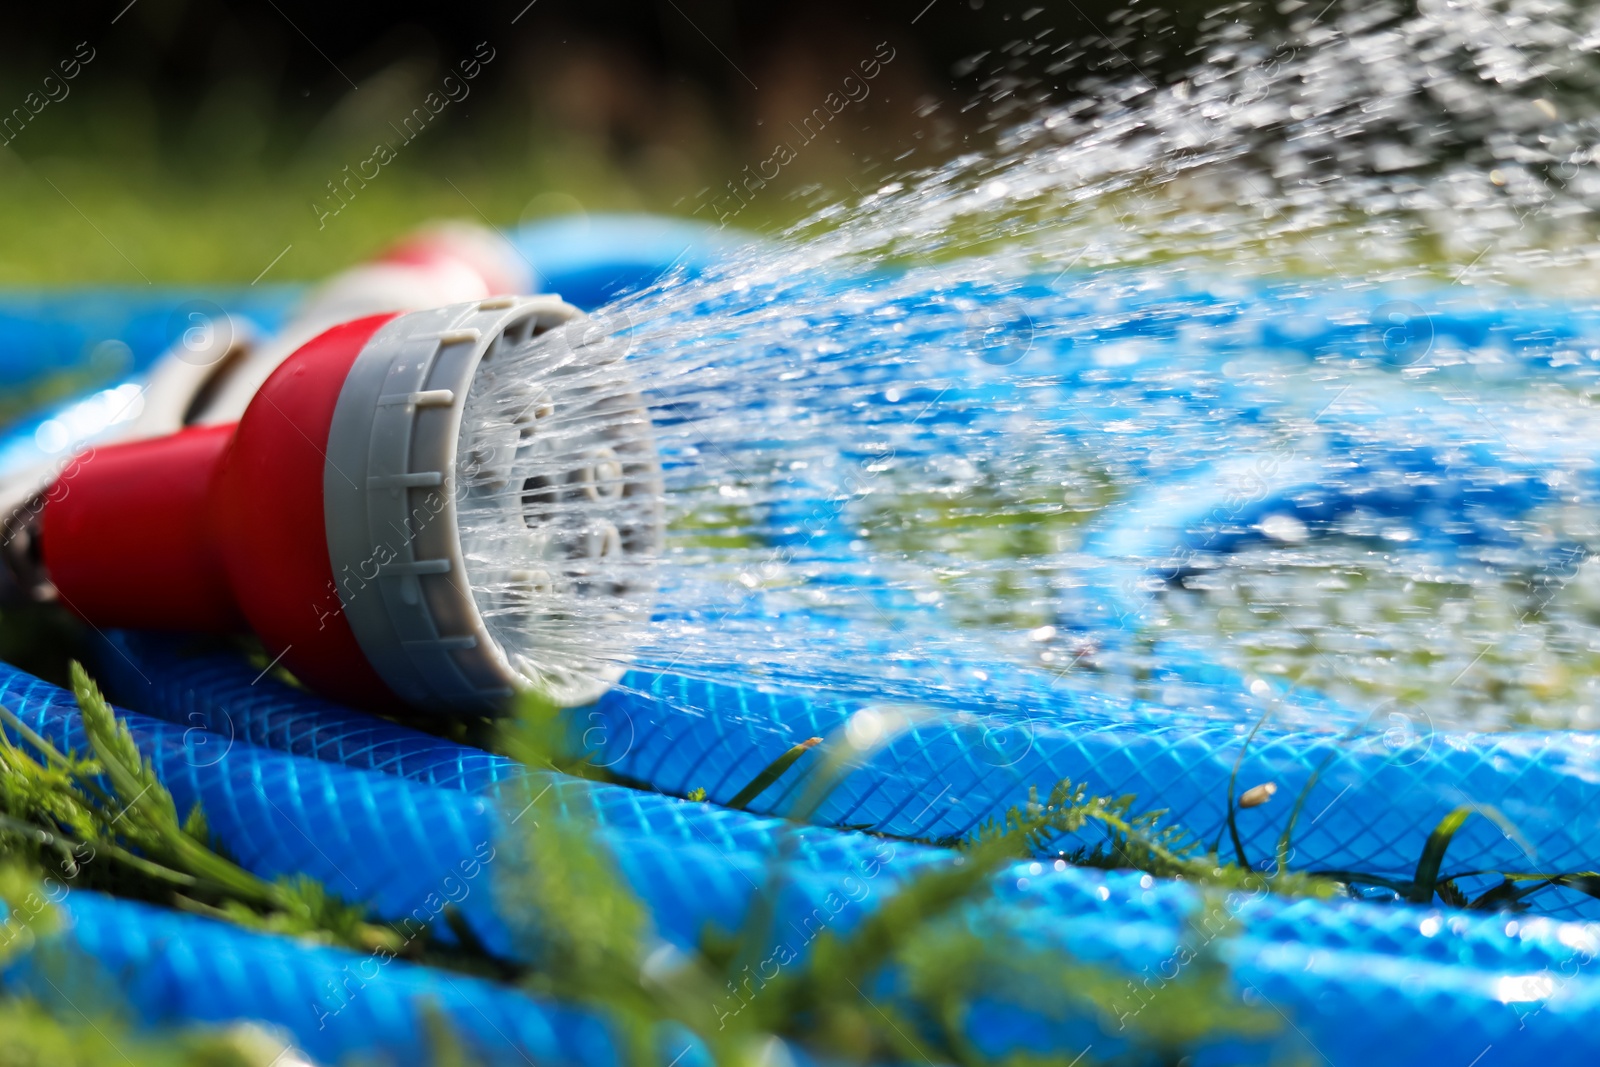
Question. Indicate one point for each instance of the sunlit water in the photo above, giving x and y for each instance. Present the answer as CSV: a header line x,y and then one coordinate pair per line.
x,y
899,438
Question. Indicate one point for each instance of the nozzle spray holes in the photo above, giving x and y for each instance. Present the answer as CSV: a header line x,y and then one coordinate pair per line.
x,y
559,544
538,408
602,479
528,584
515,424
541,496
602,541
593,541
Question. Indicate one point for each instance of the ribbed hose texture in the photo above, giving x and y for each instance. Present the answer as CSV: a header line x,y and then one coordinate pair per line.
x,y
166,968
1422,979
1370,807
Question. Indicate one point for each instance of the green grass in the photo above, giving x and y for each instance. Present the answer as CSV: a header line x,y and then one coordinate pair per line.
x,y
68,222
130,217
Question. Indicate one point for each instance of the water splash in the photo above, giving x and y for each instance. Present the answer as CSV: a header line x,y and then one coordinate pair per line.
x,y
1331,291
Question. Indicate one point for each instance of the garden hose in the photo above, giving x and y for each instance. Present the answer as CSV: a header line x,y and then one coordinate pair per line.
x,y
330,1004
1302,955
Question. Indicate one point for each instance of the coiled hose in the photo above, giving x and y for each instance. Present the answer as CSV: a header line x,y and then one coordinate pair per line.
x,y
1314,960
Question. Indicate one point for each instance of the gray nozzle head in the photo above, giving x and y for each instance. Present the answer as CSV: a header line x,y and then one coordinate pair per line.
x,y
493,504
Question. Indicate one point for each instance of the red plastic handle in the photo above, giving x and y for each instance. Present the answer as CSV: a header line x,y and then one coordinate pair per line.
x,y
221,527
127,535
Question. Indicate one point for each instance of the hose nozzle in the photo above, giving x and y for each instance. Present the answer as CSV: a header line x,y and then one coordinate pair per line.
x,y
445,507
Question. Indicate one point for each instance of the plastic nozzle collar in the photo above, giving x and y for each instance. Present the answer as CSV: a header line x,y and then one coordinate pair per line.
x,y
398,493
390,498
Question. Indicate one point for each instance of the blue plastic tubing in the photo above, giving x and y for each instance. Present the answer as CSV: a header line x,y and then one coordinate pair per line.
x,y
1421,980
162,967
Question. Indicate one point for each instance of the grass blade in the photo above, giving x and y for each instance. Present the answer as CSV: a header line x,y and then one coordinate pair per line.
x,y
772,772
1426,881
1233,785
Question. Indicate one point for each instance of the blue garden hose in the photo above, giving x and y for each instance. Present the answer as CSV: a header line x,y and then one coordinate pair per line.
x,y
280,815
1407,969
165,968
1370,804
334,1004
49,330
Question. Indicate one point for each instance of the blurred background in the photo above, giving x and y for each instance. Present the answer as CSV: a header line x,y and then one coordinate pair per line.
x,y
167,140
